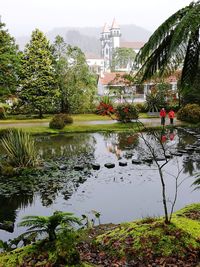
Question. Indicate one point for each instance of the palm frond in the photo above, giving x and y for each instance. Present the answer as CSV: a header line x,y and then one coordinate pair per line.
x,y
157,60
191,62
160,34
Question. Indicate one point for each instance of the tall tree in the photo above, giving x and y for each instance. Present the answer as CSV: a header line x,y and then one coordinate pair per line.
x,y
175,44
38,88
123,58
9,63
76,83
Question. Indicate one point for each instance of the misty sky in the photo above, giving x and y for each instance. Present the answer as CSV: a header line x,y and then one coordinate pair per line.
x,y
23,16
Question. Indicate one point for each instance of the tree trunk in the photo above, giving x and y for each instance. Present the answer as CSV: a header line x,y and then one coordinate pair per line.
x,y
164,197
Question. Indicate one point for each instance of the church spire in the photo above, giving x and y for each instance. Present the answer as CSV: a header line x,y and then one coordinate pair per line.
x,y
114,24
105,28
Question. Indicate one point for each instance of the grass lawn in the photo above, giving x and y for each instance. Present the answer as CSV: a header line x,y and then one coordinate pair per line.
x,y
76,128
76,118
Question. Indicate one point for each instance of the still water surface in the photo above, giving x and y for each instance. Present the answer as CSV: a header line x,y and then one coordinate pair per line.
x,y
119,194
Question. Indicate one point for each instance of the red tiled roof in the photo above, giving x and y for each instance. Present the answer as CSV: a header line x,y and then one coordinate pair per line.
x,y
134,45
112,78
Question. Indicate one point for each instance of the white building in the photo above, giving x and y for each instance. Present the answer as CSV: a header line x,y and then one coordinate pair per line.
x,y
110,39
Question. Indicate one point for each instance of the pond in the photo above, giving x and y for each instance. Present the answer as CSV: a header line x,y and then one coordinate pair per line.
x,y
68,181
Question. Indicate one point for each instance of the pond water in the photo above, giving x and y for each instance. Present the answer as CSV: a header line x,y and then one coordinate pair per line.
x,y
122,193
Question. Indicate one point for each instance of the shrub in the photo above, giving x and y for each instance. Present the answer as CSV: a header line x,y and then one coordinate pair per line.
x,y
2,113
126,112
105,109
66,118
105,106
190,113
20,148
60,120
141,107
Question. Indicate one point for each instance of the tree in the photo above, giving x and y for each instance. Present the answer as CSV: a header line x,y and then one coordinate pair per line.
x,y
38,88
174,44
9,63
48,224
123,58
76,84
159,152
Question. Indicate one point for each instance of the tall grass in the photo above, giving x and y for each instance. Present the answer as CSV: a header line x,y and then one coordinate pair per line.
x,y
20,148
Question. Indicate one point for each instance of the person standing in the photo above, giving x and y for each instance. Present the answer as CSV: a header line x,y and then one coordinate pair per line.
x,y
171,116
162,116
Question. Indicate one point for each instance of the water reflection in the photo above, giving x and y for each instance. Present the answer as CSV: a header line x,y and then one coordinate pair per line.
x,y
60,186
9,207
119,143
64,145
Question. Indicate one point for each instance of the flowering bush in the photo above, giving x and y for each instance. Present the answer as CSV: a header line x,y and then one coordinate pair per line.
x,y
126,112
105,109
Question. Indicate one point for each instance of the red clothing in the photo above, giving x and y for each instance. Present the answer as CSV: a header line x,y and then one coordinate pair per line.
x,y
162,113
163,138
171,114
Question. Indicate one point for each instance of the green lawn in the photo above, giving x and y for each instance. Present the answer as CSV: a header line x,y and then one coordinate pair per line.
x,y
76,128
47,118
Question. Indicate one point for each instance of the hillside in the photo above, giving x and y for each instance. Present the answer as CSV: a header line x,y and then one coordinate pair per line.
x,y
87,38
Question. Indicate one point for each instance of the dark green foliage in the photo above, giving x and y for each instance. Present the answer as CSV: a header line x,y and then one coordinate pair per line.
x,y
49,224
20,148
155,100
60,120
141,107
10,63
190,113
57,122
38,88
2,113
66,118
76,84
122,57
126,112
174,43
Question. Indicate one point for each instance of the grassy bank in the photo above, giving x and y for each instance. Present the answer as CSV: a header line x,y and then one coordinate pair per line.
x,y
146,242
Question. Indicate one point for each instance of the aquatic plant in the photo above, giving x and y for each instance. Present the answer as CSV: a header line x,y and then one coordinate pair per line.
x,y
20,148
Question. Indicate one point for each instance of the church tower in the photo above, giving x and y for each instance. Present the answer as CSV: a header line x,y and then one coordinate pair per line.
x,y
105,46
115,35
110,40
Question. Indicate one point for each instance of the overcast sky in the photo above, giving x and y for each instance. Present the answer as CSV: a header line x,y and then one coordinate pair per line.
x,y
23,16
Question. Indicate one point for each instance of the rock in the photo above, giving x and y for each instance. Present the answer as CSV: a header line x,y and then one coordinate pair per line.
x,y
148,160
95,166
78,167
136,161
7,226
109,165
122,163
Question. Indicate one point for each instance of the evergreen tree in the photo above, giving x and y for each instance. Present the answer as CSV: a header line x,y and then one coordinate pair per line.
x,y
75,82
38,88
9,63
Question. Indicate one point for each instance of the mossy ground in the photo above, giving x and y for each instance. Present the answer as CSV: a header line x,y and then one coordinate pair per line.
x,y
146,242
150,242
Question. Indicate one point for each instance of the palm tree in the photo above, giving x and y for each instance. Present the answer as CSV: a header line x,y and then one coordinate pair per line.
x,y
48,224
175,44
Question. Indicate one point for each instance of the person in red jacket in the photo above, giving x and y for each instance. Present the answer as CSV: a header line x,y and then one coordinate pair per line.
x,y
171,116
162,116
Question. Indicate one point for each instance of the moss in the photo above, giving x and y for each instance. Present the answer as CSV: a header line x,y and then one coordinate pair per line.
x,y
152,238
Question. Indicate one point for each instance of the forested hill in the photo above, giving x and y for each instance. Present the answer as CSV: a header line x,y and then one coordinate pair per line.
x,y
87,38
